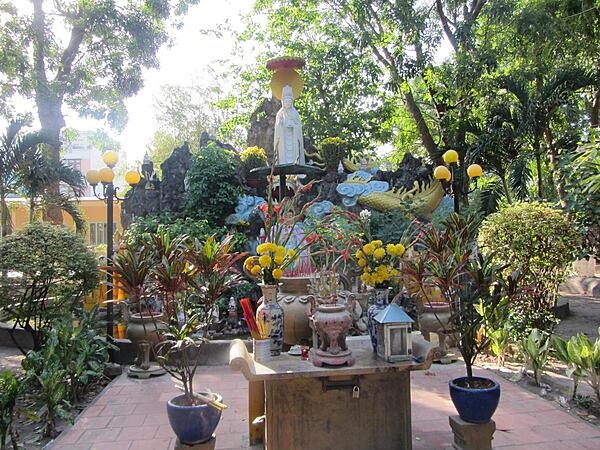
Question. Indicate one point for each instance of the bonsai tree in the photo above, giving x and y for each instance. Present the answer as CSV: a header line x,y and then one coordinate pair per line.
x,y
210,271
469,281
252,158
45,270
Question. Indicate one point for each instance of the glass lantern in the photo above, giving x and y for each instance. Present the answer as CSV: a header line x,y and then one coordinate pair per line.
x,y
393,327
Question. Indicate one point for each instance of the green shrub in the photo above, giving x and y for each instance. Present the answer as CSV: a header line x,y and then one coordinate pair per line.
x,y
72,358
10,389
44,271
48,377
583,357
536,349
392,226
214,186
177,226
252,158
541,241
333,150
561,351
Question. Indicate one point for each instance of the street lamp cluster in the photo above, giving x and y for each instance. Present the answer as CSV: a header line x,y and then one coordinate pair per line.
x,y
109,195
447,175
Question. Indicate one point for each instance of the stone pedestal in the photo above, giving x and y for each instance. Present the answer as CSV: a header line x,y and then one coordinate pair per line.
x,y
471,436
208,445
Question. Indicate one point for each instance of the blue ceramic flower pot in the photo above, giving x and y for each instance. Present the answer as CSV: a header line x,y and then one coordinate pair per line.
x,y
193,424
475,398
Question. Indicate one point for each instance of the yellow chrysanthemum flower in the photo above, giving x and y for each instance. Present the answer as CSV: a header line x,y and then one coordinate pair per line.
x,y
279,259
368,249
379,253
362,262
249,262
261,249
277,273
358,254
377,243
255,270
265,261
400,249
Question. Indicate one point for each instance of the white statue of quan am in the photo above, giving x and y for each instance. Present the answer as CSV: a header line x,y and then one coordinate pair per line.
x,y
288,142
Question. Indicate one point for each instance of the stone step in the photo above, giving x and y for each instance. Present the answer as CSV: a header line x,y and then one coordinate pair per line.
x,y
589,286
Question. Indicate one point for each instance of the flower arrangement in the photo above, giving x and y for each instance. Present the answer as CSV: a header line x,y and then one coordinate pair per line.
x,y
270,263
379,263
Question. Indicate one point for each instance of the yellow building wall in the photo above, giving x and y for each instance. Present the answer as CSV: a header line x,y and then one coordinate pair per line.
x,y
94,210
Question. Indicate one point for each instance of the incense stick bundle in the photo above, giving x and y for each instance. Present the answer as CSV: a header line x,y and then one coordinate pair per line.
x,y
264,327
249,318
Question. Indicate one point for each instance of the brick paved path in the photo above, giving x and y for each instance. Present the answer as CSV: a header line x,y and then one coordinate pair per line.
x,y
130,415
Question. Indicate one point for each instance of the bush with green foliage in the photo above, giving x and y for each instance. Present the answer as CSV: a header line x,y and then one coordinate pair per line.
x,y
10,389
252,158
44,272
333,150
583,358
541,241
72,358
392,226
177,226
214,185
536,349
581,179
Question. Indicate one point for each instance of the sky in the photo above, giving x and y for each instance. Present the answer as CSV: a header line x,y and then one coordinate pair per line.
x,y
181,62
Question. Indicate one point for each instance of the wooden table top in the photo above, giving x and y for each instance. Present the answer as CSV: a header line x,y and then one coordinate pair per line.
x,y
366,362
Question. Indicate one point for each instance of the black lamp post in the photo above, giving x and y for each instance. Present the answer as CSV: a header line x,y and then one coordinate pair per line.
x,y
448,176
109,195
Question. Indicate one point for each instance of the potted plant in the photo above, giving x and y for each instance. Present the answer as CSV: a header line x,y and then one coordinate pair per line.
x,y
131,270
333,150
252,158
210,271
476,292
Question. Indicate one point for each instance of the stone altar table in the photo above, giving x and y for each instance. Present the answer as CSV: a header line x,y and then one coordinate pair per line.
x,y
365,406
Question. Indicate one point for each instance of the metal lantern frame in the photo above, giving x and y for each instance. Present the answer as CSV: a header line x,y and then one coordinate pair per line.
x,y
393,328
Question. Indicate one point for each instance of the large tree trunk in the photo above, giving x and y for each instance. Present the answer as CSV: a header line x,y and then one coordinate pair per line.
x,y
552,153
426,137
48,101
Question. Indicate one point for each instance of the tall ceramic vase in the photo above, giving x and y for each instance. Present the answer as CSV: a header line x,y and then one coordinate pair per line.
x,y
379,304
271,313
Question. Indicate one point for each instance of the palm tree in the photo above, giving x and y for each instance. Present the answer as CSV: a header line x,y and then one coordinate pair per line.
x,y
37,172
13,147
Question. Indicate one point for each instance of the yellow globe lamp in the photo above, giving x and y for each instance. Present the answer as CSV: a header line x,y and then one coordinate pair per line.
x,y
442,173
474,171
110,158
132,177
450,157
284,77
106,175
92,177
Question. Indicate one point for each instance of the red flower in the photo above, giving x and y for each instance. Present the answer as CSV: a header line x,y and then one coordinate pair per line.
x,y
311,238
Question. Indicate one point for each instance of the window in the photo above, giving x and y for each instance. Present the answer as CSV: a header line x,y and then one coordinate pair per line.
x,y
98,233
74,163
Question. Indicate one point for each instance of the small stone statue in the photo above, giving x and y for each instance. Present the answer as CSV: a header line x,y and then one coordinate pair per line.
x,y
288,141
